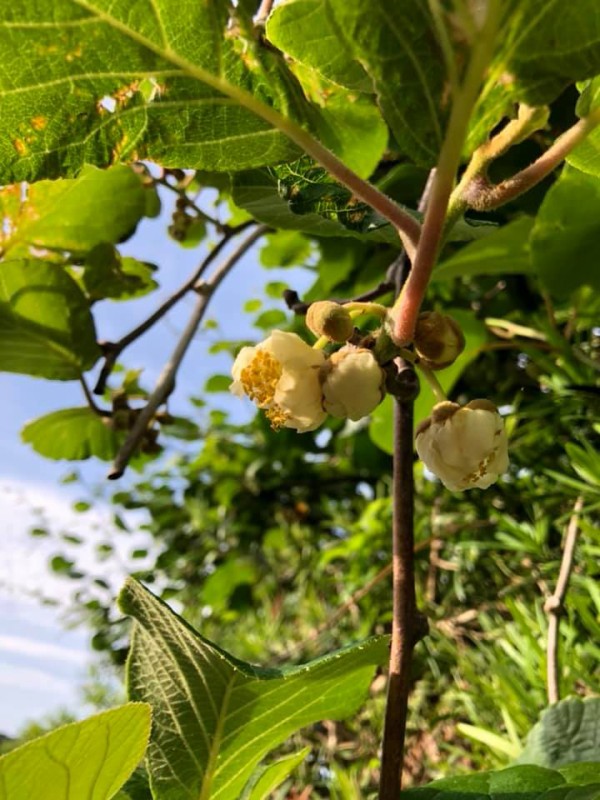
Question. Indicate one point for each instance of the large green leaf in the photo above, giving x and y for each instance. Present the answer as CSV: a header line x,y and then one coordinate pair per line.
x,y
73,434
502,252
303,29
382,419
99,81
46,328
397,46
542,47
108,275
268,778
216,717
98,206
566,234
87,760
567,733
514,783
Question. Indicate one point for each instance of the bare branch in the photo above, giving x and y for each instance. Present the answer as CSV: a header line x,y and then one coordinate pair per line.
x,y
554,605
101,412
166,381
112,350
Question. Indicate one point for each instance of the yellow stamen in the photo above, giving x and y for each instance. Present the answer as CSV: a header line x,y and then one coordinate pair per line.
x,y
259,379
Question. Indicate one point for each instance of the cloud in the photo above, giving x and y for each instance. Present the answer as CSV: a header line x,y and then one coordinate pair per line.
x,y
34,680
42,650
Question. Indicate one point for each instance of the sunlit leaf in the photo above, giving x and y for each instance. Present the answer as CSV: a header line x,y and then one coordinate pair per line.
x,y
46,328
73,434
216,717
90,759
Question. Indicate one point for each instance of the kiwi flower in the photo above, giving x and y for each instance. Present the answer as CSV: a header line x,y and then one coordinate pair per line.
x,y
353,383
465,446
281,376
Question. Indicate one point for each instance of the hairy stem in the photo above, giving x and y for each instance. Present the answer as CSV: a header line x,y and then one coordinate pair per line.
x,y
407,226
404,624
484,196
411,297
554,605
166,381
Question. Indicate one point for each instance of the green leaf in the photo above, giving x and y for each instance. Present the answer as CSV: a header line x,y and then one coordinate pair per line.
x,y
101,83
216,717
73,434
285,249
544,45
517,783
218,383
257,192
398,49
108,275
303,29
567,733
566,233
268,778
381,427
270,319
586,156
76,215
46,328
504,251
90,759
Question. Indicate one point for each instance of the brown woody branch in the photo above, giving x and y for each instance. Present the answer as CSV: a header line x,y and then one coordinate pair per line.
x,y
554,604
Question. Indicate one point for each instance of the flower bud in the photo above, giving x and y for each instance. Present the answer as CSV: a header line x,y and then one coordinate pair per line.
x,y
352,383
465,446
438,339
326,318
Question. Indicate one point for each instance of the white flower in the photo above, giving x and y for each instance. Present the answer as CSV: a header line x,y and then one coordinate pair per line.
x,y
352,383
466,446
281,376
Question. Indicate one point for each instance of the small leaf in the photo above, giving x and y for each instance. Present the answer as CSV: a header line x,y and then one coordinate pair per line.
x,y
108,275
76,215
46,328
205,701
270,319
90,759
268,778
566,232
71,433
218,383
567,733
285,249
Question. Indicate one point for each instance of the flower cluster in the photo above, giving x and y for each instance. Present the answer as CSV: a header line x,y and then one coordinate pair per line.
x,y
297,385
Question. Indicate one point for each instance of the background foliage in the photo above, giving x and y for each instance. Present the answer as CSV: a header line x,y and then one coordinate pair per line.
x,y
273,545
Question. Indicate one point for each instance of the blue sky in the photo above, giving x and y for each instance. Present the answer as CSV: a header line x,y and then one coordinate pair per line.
x,y
42,662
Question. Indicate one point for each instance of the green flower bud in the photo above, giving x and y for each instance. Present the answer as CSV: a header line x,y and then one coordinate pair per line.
x,y
326,318
438,340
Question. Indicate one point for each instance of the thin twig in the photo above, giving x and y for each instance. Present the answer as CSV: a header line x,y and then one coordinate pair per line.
x,y
405,623
166,381
484,196
263,12
101,412
554,605
222,228
112,350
